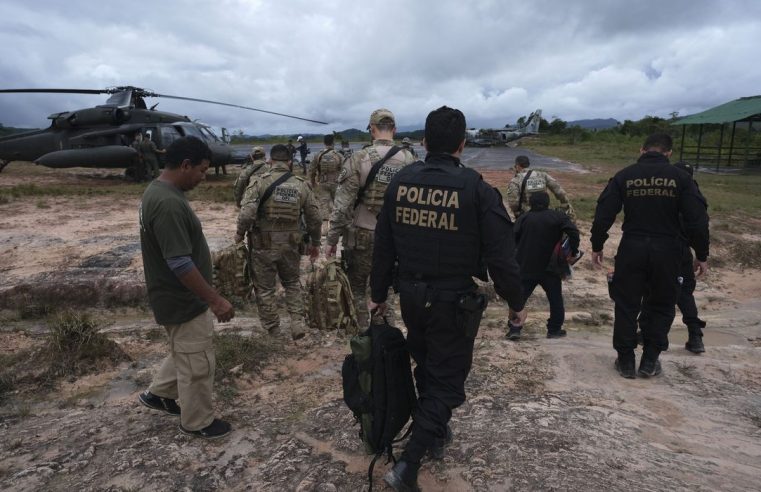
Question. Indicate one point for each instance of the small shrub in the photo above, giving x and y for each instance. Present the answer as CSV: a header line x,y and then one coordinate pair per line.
x,y
233,349
75,345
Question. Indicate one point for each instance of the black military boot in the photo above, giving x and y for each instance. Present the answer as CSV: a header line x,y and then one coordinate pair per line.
x,y
403,477
695,344
649,367
436,450
625,366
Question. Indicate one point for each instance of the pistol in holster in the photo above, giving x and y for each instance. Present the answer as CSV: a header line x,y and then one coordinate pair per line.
x,y
470,310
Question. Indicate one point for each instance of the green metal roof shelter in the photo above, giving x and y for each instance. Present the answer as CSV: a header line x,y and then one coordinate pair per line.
x,y
744,111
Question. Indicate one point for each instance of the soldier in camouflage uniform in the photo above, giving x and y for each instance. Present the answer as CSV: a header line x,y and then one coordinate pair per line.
x,y
149,150
275,239
255,165
325,168
359,218
407,144
345,149
537,181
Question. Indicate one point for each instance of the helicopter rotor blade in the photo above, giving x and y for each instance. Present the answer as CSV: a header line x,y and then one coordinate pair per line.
x,y
235,106
57,91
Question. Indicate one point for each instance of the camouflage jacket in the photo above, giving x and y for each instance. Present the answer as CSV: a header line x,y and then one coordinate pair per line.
x,y
325,166
538,181
352,177
289,201
259,166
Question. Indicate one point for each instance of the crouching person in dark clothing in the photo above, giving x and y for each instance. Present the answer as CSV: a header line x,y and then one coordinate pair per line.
x,y
536,234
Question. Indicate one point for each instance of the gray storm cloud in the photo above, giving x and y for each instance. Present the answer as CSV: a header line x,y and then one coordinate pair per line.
x,y
338,60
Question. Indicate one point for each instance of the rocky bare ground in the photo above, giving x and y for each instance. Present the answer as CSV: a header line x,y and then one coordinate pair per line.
x,y
541,414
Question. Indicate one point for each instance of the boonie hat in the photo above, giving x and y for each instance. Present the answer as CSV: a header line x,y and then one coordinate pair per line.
x,y
381,114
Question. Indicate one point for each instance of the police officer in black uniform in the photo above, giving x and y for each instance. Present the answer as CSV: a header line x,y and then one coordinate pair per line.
x,y
443,225
654,196
686,301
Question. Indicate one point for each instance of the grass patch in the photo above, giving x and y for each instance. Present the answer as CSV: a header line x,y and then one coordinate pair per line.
x,y
233,350
732,196
216,189
75,346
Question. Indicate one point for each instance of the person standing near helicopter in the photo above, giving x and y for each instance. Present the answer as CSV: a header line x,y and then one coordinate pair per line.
x,y
149,150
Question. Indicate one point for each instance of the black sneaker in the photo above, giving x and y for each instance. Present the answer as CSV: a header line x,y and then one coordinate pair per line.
x,y
167,405
625,368
695,344
514,334
649,367
215,430
556,334
436,451
403,477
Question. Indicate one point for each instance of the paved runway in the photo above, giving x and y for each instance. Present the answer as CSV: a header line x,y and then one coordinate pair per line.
x,y
476,157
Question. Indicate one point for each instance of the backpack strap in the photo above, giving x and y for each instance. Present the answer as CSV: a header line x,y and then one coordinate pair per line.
x,y
374,172
268,192
523,189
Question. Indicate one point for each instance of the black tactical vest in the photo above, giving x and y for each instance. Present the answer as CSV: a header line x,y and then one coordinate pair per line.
x,y
435,221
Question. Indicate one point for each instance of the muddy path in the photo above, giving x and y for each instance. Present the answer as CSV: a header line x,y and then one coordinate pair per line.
x,y
541,414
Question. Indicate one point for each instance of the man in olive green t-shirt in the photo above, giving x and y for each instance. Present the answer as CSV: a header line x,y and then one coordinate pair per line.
x,y
177,266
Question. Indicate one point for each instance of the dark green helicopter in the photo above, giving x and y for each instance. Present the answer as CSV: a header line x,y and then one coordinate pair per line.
x,y
101,136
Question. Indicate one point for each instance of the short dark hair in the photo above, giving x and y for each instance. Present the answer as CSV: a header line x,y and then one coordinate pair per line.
x,y
444,130
280,152
539,200
522,161
329,139
192,148
659,142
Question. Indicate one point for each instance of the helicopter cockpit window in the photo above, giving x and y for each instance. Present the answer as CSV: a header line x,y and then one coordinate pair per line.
x,y
209,134
193,131
168,135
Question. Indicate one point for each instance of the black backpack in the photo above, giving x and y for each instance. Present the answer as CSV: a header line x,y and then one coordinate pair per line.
x,y
378,388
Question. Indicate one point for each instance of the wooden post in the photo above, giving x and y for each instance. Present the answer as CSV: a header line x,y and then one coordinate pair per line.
x,y
700,142
681,146
721,142
731,144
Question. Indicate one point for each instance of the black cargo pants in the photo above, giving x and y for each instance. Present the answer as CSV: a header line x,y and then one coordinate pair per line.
x,y
646,279
443,354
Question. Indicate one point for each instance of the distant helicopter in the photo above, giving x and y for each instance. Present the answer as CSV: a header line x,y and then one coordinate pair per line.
x,y
482,137
100,137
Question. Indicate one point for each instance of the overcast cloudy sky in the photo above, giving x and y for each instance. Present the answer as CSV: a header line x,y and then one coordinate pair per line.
x,y
337,60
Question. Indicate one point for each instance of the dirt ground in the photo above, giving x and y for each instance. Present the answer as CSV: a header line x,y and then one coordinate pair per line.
x,y
541,414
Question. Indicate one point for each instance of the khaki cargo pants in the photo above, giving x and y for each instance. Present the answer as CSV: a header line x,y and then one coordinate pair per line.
x,y
187,373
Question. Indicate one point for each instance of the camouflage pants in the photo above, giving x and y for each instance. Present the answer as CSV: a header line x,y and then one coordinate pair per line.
x,y
326,193
152,167
358,257
284,262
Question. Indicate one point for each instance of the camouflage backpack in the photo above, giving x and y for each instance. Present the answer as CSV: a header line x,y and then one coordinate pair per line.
x,y
330,304
230,270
